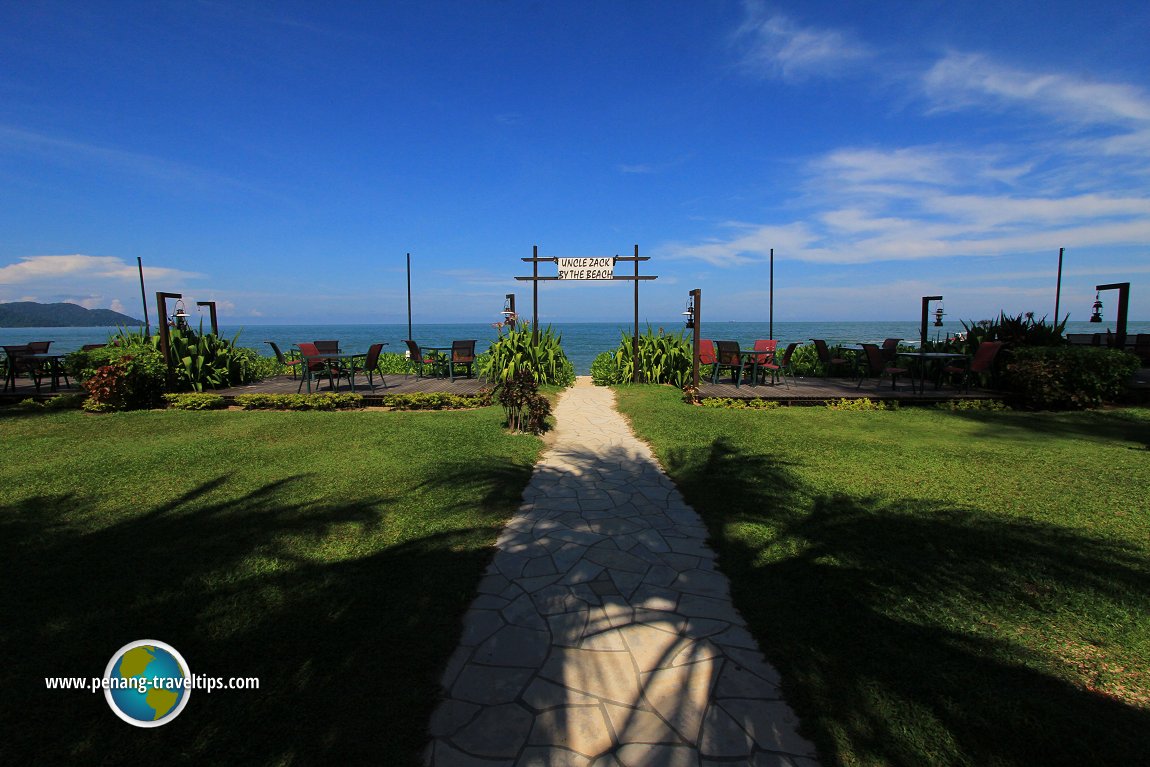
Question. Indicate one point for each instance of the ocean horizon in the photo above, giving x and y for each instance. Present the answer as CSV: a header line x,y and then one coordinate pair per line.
x,y
582,341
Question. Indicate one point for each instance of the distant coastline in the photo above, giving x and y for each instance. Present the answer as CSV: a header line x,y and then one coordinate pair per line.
x,y
30,314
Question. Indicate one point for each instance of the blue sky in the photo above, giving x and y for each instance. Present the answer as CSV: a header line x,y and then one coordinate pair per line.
x,y
282,158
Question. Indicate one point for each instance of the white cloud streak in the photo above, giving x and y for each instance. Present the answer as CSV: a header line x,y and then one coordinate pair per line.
x,y
775,46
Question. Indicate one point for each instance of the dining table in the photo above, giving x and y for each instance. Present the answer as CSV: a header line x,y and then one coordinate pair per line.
x,y
756,357
330,357
52,363
445,352
933,358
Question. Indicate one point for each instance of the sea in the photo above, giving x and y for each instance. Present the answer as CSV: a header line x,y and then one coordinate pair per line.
x,y
582,341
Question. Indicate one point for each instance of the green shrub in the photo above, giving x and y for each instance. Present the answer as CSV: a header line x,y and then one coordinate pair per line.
x,y
59,402
205,361
1018,332
195,401
437,401
972,404
316,401
604,370
526,408
125,379
863,404
740,404
1068,377
514,352
663,358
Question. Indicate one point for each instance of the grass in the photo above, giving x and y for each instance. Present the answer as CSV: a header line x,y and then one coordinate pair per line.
x,y
936,588
330,555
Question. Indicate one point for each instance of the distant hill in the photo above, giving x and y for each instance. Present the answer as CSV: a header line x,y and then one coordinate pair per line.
x,y
29,314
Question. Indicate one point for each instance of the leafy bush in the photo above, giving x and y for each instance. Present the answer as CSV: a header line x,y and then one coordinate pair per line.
x,y
1068,377
972,404
863,404
195,401
526,408
663,358
59,402
740,404
437,400
317,401
514,352
204,360
604,370
122,379
1019,331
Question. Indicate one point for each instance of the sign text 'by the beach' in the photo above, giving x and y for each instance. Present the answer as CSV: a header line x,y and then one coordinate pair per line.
x,y
586,268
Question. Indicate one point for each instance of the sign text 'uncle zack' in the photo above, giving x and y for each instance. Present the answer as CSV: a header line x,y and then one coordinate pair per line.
x,y
586,268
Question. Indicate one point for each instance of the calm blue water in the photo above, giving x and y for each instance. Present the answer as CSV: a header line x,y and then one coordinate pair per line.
x,y
582,341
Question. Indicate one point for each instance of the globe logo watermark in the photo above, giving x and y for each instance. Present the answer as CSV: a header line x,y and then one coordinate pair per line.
x,y
147,683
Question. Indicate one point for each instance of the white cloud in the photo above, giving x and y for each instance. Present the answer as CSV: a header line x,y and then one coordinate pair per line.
x,y
775,46
78,266
970,79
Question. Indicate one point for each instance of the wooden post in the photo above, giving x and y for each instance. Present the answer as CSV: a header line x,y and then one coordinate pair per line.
x,y
212,311
771,301
925,313
144,299
1058,287
162,310
1123,289
696,303
635,338
535,295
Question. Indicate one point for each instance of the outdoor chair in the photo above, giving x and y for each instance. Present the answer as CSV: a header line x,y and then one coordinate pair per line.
x,y
371,365
462,353
982,362
38,347
826,358
875,367
889,349
767,347
290,364
313,363
17,365
781,367
707,357
730,357
419,360
327,347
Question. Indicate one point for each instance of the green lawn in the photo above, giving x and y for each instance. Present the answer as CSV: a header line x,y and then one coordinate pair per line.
x,y
329,554
936,587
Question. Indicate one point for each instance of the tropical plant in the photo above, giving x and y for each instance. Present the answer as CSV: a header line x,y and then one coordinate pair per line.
x,y
663,358
204,360
120,378
516,351
1019,331
526,408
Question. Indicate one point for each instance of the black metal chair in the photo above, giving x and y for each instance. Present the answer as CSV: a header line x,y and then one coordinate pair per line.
x,y
729,357
875,367
284,360
462,353
419,360
828,360
371,365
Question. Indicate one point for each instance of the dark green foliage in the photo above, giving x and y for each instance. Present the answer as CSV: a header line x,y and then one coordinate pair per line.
x,y
316,401
739,404
195,401
437,401
205,361
1019,331
123,379
604,371
663,358
526,408
1068,377
513,352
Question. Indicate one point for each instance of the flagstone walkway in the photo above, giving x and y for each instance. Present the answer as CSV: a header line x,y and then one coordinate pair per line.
x,y
603,635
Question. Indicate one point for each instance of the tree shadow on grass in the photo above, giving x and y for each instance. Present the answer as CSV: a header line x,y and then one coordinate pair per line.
x,y
1114,426
895,623
348,650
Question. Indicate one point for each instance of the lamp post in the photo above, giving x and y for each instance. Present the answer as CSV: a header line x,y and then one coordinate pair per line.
x,y
162,312
212,312
925,313
509,315
1123,289
694,302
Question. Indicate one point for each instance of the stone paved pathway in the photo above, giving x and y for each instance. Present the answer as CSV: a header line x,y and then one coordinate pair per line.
x,y
603,635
